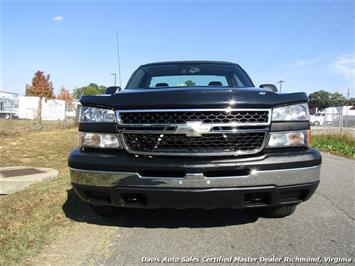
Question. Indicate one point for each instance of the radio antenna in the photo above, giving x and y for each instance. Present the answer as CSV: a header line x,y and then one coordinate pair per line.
x,y
118,59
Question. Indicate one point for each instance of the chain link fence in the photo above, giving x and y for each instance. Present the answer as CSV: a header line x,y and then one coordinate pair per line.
x,y
334,120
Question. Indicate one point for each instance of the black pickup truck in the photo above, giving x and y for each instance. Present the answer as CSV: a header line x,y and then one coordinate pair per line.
x,y
195,134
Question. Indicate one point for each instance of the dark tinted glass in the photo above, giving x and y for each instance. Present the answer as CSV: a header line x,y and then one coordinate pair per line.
x,y
192,75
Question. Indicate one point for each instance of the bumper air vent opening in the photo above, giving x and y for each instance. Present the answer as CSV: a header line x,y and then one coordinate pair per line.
x,y
132,198
226,173
294,195
257,198
162,174
98,195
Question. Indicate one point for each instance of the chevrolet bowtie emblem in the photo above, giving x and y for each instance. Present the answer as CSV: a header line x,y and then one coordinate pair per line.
x,y
193,129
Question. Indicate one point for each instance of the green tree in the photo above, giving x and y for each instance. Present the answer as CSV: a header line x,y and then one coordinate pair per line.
x,y
319,99
337,99
89,90
42,87
324,99
189,83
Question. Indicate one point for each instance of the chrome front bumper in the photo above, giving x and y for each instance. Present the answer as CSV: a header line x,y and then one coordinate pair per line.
x,y
284,177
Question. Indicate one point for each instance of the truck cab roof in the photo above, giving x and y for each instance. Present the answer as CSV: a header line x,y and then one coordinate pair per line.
x,y
195,62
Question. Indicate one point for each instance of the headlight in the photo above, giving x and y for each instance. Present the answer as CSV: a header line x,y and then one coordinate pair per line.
x,y
96,115
296,112
288,138
99,140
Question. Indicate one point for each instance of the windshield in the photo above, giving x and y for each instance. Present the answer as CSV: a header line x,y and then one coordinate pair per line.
x,y
188,80
192,75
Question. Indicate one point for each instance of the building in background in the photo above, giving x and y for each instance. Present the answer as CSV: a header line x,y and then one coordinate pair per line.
x,y
8,104
51,109
74,109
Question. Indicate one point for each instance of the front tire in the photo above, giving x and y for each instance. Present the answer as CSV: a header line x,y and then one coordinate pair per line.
x,y
104,211
278,212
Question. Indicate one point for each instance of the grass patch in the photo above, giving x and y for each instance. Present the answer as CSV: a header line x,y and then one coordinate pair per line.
x,y
16,127
338,144
32,217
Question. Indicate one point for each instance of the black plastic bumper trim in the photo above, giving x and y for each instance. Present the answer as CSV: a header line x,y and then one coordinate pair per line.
x,y
237,197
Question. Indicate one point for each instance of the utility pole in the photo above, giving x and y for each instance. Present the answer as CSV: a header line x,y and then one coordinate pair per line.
x,y
115,75
347,108
280,84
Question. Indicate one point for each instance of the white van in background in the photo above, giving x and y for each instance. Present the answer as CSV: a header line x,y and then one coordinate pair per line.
x,y
334,115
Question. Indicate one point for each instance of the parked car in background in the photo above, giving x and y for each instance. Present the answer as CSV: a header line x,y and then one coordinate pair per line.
x,y
317,119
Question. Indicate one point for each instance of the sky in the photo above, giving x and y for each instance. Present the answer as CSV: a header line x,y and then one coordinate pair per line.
x,y
307,44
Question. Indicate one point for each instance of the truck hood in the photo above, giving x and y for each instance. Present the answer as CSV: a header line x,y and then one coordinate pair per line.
x,y
193,97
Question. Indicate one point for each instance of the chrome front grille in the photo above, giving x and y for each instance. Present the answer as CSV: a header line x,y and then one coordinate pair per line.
x,y
207,143
194,132
208,117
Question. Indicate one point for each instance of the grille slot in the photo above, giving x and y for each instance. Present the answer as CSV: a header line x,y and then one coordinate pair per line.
x,y
207,143
208,117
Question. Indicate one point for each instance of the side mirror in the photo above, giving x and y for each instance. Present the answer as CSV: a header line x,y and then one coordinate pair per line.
x,y
270,87
112,89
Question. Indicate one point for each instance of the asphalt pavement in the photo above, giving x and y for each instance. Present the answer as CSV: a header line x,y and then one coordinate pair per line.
x,y
320,229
